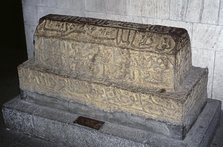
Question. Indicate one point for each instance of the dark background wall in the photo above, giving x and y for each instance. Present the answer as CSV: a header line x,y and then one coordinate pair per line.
x,y
13,47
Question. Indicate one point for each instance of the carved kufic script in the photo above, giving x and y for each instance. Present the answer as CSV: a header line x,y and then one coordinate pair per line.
x,y
115,37
136,37
105,63
145,56
107,98
166,106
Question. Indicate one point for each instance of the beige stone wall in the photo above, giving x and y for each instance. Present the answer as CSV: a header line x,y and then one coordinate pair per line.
x,y
202,18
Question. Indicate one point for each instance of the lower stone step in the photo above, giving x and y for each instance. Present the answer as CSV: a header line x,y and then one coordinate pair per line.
x,y
65,127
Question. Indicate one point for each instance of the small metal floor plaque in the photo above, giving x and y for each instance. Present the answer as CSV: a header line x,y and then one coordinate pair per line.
x,y
88,122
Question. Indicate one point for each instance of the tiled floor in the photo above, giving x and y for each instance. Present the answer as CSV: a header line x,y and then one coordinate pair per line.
x,y
9,88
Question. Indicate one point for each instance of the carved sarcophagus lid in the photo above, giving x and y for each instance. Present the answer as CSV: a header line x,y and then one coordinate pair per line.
x,y
104,51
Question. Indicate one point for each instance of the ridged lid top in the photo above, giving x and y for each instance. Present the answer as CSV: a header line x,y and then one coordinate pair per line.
x,y
141,37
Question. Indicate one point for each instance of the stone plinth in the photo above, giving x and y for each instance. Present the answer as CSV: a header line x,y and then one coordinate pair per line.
x,y
57,126
144,56
143,70
172,107
136,80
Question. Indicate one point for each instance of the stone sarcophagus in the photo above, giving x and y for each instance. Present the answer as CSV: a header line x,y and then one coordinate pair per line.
x,y
128,74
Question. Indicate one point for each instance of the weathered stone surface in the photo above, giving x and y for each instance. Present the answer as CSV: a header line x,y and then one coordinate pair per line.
x,y
144,56
160,105
57,126
136,78
177,131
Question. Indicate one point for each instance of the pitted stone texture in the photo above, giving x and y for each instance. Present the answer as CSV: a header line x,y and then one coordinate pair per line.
x,y
57,126
146,56
165,106
122,118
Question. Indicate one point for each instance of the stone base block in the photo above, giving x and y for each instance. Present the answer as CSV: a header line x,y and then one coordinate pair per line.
x,y
122,118
58,126
172,107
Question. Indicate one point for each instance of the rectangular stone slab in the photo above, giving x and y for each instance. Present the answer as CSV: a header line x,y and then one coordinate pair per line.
x,y
57,126
122,118
172,107
145,56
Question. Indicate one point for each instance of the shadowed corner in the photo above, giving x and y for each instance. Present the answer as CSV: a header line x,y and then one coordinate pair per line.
x,y
217,139
13,50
